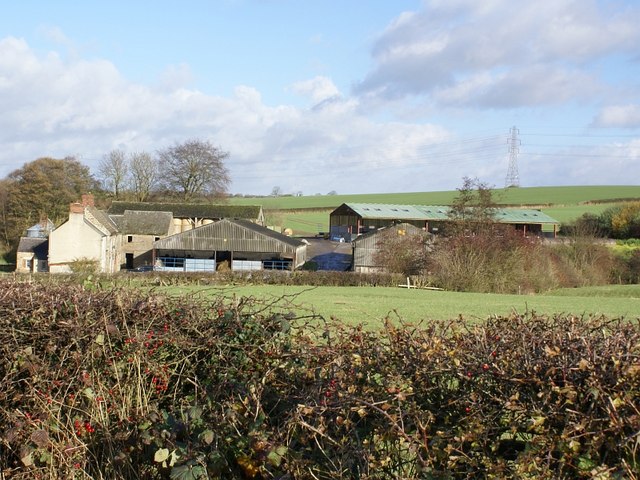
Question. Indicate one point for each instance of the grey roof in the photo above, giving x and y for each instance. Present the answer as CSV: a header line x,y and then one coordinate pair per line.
x,y
441,212
143,223
228,234
103,220
189,210
38,246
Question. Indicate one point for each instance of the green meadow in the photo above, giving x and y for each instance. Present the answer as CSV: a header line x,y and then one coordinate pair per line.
x,y
369,306
512,196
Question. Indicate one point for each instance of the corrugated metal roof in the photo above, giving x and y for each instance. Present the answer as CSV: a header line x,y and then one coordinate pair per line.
x,y
441,212
230,235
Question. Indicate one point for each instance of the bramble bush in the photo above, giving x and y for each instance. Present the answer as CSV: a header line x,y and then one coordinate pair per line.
x,y
115,384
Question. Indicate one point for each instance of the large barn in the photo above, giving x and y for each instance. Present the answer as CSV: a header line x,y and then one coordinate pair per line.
x,y
240,244
352,219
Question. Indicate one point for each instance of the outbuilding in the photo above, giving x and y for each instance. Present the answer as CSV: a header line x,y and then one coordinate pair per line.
x,y
367,246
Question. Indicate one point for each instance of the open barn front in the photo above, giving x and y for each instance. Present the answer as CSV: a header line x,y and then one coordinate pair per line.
x,y
236,245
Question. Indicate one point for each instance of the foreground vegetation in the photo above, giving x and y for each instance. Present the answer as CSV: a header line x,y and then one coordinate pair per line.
x,y
117,384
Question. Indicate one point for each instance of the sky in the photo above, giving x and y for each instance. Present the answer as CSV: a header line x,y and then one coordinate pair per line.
x,y
346,96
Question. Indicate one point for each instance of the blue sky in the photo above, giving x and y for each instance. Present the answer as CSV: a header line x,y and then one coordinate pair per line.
x,y
319,96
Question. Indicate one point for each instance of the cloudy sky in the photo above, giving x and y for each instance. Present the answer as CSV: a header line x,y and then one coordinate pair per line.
x,y
312,96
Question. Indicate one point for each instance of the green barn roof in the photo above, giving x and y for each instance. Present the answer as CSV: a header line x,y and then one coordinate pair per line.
x,y
440,212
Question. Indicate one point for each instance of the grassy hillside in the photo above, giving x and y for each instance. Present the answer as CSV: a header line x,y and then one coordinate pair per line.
x,y
511,196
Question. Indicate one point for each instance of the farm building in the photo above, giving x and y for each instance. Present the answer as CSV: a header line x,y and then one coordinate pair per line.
x,y
367,246
240,244
123,237
139,230
33,249
188,216
352,219
88,235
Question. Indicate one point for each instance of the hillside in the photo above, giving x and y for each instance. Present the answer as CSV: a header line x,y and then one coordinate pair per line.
x,y
513,196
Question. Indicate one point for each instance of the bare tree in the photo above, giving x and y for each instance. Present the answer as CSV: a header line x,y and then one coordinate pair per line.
x,y
144,175
113,170
473,209
276,191
195,168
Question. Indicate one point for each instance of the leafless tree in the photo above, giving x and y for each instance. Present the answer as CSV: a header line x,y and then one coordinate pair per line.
x,y
195,168
113,170
144,175
276,191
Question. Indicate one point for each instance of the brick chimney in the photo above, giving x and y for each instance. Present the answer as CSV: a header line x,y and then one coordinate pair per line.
x,y
76,207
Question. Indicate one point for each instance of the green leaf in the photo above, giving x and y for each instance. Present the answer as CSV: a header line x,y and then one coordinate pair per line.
x,y
99,339
585,464
187,472
276,456
89,393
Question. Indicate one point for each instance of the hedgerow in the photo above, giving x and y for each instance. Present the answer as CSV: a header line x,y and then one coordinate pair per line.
x,y
116,384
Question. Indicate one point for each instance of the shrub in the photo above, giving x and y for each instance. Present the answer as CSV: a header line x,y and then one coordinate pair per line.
x,y
114,384
492,261
84,266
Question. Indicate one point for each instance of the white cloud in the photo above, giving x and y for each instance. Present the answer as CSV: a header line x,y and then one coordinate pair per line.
x,y
58,107
626,116
466,49
318,89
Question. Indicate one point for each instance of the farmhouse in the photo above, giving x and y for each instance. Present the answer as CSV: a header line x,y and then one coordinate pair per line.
x,y
89,235
367,245
240,244
352,219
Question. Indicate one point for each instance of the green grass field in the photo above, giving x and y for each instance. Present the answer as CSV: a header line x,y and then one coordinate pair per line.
x,y
370,305
512,196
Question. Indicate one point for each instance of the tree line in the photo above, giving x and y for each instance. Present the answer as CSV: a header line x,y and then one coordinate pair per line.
x,y
191,171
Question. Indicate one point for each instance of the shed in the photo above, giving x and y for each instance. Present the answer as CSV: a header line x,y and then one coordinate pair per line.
x,y
240,244
366,246
32,255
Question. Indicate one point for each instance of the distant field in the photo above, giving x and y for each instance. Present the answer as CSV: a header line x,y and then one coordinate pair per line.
x,y
511,196
370,305
308,215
